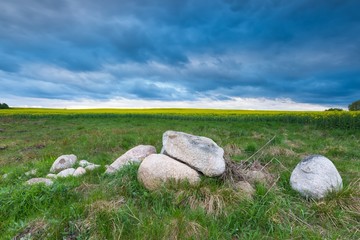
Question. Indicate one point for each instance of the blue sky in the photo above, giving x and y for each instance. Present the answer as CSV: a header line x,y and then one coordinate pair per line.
x,y
227,54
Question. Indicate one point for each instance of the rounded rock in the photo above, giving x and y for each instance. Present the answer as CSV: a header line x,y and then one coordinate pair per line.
x,y
66,173
63,162
134,155
157,169
315,176
79,172
201,153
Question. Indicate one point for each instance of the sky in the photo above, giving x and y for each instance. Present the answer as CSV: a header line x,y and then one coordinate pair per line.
x,y
236,54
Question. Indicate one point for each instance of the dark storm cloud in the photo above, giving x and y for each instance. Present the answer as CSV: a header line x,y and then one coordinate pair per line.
x,y
181,50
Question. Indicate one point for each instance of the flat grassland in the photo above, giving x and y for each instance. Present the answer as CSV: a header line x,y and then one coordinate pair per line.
x,y
98,206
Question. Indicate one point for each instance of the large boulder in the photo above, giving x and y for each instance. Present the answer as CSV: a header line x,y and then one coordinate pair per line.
x,y
136,154
201,153
45,181
156,169
63,162
315,176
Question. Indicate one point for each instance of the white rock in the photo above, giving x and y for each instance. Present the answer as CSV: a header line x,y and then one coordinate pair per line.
x,y
84,163
66,173
63,162
156,169
31,172
136,154
79,172
45,181
5,176
92,167
315,176
201,153
51,175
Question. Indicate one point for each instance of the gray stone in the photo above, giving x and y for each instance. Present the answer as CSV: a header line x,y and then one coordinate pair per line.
x,y
51,175
45,181
315,176
92,167
84,163
79,172
134,155
31,172
63,162
66,173
201,153
157,169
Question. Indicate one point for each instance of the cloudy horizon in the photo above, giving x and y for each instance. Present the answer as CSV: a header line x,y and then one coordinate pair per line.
x,y
271,55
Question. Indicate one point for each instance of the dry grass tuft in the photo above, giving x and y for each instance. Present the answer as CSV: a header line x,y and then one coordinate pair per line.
x,y
348,199
276,151
294,143
106,206
86,188
100,206
251,172
213,202
35,230
257,136
234,171
232,150
183,229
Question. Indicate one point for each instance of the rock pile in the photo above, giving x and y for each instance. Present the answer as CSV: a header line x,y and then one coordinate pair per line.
x,y
182,157
63,167
315,176
185,157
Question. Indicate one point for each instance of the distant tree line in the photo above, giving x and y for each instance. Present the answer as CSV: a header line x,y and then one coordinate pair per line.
x,y
334,109
4,106
355,106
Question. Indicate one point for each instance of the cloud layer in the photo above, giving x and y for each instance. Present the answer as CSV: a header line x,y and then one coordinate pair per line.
x,y
180,51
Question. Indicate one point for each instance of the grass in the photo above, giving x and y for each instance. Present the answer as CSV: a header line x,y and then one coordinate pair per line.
x,y
97,206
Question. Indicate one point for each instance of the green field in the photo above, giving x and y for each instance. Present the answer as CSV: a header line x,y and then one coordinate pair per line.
x,y
97,206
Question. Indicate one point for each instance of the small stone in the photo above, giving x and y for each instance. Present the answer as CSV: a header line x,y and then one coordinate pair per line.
x,y
45,181
92,167
84,163
51,175
315,176
66,173
136,154
200,153
157,169
63,162
79,172
31,172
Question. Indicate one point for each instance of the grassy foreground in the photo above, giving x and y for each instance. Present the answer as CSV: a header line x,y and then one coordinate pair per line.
x,y
97,206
